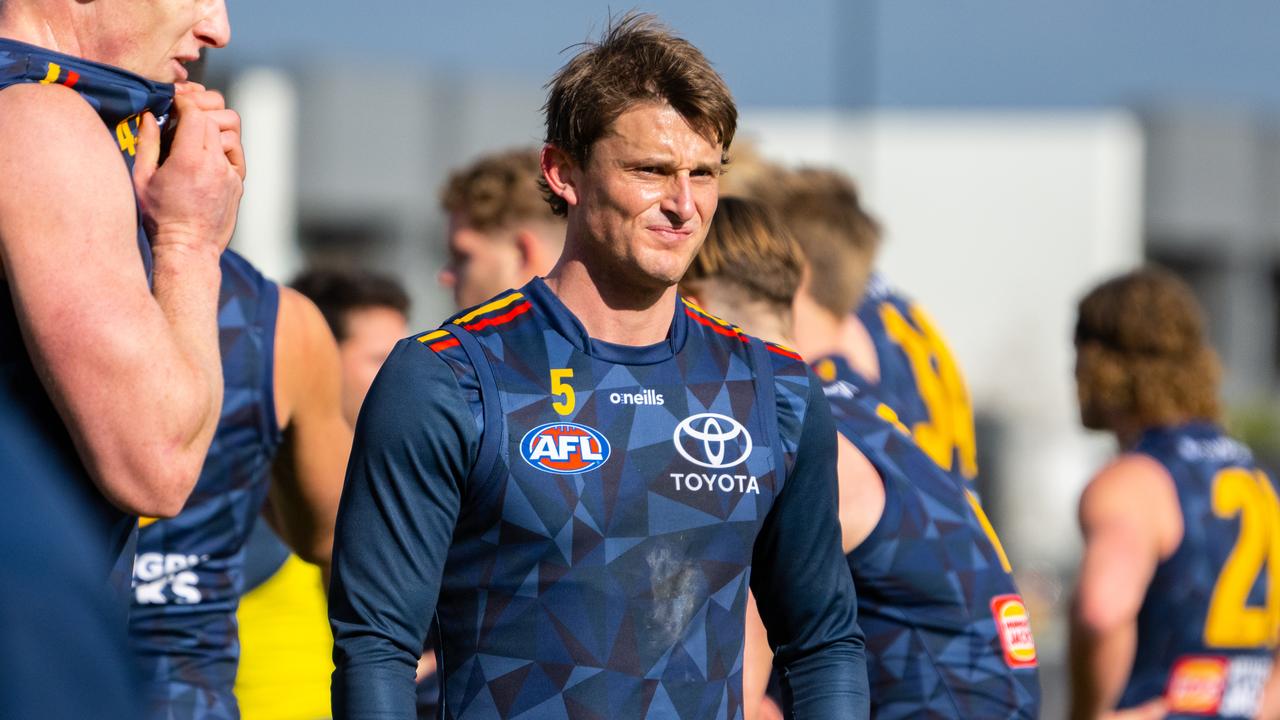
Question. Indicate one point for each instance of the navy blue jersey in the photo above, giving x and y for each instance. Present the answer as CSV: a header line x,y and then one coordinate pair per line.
x,y
120,98
947,633
919,378
188,576
1208,625
590,516
63,650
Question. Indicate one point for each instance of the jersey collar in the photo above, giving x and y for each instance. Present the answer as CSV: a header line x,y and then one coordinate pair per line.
x,y
557,316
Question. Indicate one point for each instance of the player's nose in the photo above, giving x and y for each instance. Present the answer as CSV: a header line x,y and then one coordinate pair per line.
x,y
214,28
678,202
447,278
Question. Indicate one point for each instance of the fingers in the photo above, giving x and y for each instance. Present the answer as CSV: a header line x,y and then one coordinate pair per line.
x,y
187,87
190,135
206,99
148,150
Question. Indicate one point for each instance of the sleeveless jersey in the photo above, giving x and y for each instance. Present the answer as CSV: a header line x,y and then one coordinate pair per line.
x,y
601,566
947,633
120,98
919,378
1208,625
188,575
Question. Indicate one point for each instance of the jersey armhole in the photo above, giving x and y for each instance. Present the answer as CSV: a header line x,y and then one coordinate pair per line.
x,y
767,400
494,419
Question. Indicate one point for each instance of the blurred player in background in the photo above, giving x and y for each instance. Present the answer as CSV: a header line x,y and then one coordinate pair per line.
x,y
1178,605
285,644
282,393
947,634
123,428
890,340
502,233
525,464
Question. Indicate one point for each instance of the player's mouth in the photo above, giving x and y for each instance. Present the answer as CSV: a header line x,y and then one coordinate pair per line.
x,y
669,235
179,71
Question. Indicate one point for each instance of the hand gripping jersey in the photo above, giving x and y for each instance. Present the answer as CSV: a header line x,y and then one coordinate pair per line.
x,y
1208,625
188,575
590,515
120,98
920,379
947,633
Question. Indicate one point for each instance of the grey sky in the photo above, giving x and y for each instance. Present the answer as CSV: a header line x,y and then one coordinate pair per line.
x,y
827,52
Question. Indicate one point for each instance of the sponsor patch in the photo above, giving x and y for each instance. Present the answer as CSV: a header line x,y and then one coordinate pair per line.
x,y
565,448
1014,626
1217,685
712,440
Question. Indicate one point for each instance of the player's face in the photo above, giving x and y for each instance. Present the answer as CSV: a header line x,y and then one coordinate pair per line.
x,y
647,193
371,333
481,264
155,38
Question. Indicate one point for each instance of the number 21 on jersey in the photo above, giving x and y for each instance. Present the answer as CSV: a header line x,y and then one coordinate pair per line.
x,y
1231,621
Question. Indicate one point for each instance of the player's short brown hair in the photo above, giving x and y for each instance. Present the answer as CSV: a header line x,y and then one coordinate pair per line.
x,y
340,291
822,210
1141,353
637,60
497,190
748,247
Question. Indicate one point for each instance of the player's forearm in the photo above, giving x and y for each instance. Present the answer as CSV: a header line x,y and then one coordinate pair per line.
x,y
371,681
174,393
1101,660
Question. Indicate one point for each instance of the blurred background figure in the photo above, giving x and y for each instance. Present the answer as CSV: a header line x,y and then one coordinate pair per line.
x,y
502,232
286,645
1177,606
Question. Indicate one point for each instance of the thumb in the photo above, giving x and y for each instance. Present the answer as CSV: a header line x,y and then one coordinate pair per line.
x,y
148,152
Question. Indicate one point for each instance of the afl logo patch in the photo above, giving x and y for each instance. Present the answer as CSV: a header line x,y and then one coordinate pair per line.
x,y
564,448
712,440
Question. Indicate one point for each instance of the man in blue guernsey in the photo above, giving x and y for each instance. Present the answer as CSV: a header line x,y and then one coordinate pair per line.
x,y
283,390
108,340
891,341
947,633
580,479
1178,605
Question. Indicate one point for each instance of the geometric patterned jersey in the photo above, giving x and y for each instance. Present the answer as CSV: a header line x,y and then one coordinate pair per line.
x,y
1208,624
603,545
188,575
919,378
119,97
947,633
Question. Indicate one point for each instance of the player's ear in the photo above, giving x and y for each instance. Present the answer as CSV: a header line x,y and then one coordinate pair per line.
x,y
531,251
557,169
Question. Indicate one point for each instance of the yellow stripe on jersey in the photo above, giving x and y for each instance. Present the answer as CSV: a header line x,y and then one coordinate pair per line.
x,y
989,530
52,77
488,308
433,336
694,306
145,521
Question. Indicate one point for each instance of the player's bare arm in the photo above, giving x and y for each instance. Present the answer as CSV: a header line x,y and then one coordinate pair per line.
x,y
307,482
1123,546
142,405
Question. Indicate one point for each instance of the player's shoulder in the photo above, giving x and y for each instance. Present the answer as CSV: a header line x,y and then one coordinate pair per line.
x,y
1132,480
38,112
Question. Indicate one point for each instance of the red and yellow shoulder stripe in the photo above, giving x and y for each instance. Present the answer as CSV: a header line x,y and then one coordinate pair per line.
x,y
728,329
498,311
56,75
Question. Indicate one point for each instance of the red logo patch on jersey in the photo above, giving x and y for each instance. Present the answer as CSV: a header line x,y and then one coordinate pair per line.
x,y
1014,626
1197,684
564,448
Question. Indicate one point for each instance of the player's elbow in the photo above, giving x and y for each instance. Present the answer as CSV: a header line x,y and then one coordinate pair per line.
x,y
318,549
154,485
1097,613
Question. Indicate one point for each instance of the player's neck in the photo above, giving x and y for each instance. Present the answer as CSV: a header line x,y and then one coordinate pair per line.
x,y
49,27
766,324
818,333
609,308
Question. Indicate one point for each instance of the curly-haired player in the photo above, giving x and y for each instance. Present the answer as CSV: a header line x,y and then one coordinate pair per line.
x,y
1178,605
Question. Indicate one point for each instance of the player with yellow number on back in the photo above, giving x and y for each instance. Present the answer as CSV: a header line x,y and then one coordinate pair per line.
x,y
893,342
1178,606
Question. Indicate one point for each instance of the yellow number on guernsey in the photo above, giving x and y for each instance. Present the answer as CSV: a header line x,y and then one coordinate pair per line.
x,y
560,387
124,134
949,431
1232,622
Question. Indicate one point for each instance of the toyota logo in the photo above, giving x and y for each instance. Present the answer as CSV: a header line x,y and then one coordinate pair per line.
x,y
714,435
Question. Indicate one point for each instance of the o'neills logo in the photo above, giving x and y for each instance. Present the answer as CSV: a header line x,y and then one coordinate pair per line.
x,y
1014,627
648,396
